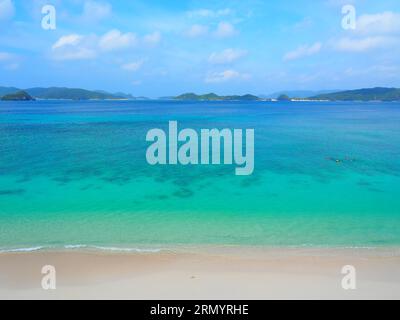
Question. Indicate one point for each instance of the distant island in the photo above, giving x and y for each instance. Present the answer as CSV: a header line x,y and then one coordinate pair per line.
x,y
284,97
18,96
373,94
60,93
215,97
298,94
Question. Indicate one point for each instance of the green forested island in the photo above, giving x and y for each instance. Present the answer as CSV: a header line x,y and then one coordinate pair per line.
x,y
283,97
60,93
66,94
215,97
17,96
373,94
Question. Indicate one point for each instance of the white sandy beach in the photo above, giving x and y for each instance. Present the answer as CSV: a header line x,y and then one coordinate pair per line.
x,y
210,274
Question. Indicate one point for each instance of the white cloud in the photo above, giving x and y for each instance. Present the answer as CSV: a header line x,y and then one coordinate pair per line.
x,y
79,54
226,56
152,38
380,23
364,44
72,39
224,12
227,75
197,30
133,66
114,40
383,70
224,30
337,3
5,56
95,11
12,66
7,9
9,61
207,13
74,47
303,51
373,31
307,22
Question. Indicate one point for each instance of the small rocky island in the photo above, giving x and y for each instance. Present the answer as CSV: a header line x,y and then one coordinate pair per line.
x,y
284,97
215,97
17,96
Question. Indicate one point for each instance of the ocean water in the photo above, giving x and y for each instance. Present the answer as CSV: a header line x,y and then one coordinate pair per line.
x,y
74,174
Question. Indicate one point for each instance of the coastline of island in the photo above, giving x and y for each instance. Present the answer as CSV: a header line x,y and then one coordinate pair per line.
x,y
17,96
208,273
377,94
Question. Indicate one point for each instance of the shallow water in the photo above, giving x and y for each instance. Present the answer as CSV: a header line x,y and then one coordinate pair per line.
x,y
75,173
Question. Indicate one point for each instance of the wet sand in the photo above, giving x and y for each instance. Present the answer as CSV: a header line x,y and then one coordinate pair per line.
x,y
233,273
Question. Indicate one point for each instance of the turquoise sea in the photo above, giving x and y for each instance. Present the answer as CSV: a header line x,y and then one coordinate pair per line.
x,y
75,174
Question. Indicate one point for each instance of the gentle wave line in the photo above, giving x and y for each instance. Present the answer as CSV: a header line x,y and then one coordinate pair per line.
x,y
80,246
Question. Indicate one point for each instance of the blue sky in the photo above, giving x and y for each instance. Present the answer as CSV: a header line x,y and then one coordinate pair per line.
x,y
161,48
